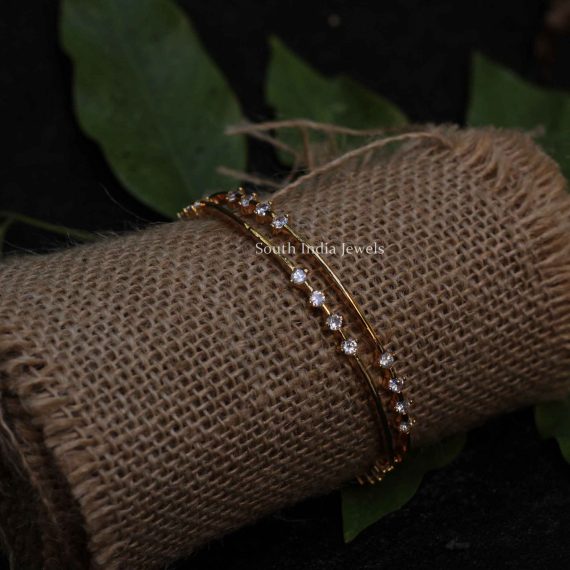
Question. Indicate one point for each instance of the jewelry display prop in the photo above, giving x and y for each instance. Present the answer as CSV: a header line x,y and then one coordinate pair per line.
x,y
160,389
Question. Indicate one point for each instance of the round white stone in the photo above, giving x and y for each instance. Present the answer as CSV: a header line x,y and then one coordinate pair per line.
x,y
263,208
386,360
349,346
246,200
317,298
280,221
401,407
334,322
404,427
299,276
396,385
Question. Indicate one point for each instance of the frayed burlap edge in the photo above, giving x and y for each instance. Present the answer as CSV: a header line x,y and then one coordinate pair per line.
x,y
42,522
540,206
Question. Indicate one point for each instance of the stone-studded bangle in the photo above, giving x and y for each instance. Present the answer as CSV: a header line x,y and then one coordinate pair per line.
x,y
248,205
391,384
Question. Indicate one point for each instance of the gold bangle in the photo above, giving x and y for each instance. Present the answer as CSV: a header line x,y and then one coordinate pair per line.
x,y
392,384
249,205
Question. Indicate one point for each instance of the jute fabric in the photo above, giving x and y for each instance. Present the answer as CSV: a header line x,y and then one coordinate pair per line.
x,y
162,388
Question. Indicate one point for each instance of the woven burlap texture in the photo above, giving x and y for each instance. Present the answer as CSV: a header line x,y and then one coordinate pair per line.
x,y
162,388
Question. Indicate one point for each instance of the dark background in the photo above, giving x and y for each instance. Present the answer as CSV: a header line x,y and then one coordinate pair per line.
x,y
505,502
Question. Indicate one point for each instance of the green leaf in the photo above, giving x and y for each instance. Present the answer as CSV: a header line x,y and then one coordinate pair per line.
x,y
9,218
147,92
501,98
363,506
297,91
4,227
553,420
71,233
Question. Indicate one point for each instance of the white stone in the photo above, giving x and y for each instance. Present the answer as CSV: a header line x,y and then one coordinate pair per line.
x,y
349,346
280,221
334,322
386,360
263,208
299,276
317,299
401,407
396,385
405,427
232,196
246,200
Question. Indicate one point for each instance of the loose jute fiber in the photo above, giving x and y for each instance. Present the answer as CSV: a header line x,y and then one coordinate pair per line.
x,y
162,388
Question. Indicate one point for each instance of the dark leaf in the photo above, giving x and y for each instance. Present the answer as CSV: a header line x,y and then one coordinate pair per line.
x,y
363,506
148,93
501,98
553,420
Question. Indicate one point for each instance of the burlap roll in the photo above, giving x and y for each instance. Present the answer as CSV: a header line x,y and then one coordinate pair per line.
x,y
162,388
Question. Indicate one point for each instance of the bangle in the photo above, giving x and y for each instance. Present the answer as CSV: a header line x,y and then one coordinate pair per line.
x,y
395,437
391,383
